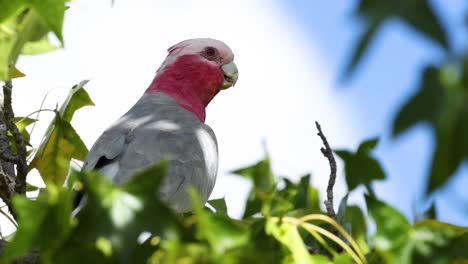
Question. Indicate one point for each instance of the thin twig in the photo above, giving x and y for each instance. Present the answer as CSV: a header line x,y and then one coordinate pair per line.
x,y
21,165
328,153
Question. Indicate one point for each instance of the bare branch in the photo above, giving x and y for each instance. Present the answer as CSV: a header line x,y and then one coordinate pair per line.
x,y
328,153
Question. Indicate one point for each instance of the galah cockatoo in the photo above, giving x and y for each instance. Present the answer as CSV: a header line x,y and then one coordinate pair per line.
x,y
169,121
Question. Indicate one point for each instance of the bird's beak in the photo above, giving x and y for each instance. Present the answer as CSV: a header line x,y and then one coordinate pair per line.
x,y
230,75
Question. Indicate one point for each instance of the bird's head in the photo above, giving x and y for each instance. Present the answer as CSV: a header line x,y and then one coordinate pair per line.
x,y
194,71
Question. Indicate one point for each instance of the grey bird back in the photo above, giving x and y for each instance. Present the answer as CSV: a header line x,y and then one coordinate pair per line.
x,y
156,127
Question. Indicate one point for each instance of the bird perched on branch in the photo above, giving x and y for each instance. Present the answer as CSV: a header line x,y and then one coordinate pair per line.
x,y
169,120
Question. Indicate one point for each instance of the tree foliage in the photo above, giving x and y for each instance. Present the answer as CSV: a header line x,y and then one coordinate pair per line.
x,y
282,222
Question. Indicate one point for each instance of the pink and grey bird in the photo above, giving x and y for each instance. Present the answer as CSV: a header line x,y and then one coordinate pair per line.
x,y
169,120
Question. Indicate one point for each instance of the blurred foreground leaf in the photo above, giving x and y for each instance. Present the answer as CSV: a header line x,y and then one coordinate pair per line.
x,y
418,15
44,224
442,101
263,181
361,167
113,218
24,25
428,241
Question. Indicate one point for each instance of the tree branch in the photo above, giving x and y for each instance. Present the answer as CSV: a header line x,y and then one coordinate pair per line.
x,y
6,164
328,153
21,165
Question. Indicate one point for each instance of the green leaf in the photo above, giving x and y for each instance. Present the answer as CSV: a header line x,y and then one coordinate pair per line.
x,y
341,215
442,101
31,188
361,167
307,196
344,258
260,174
425,106
14,72
21,124
392,231
289,237
77,98
263,182
51,13
361,47
358,222
421,17
222,233
112,218
14,34
9,8
219,205
60,145
24,21
451,142
40,46
437,242
44,224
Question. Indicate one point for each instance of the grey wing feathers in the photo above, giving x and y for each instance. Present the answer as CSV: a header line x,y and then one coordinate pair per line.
x,y
154,128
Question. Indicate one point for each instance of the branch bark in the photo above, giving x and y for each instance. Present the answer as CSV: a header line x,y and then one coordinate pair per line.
x,y
11,182
21,165
328,153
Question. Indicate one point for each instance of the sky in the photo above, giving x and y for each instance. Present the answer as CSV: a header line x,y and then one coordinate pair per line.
x,y
289,55
383,82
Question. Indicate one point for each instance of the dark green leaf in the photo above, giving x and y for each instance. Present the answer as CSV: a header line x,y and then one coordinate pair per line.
x,y
392,231
260,174
44,224
358,222
425,106
438,242
361,48
361,167
222,233
263,182
421,16
442,102
31,188
307,196
451,141
341,215
219,205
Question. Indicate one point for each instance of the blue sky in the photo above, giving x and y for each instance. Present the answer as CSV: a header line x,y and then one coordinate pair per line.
x,y
385,79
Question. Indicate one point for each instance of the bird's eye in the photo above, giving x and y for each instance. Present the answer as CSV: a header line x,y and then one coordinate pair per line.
x,y
210,51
